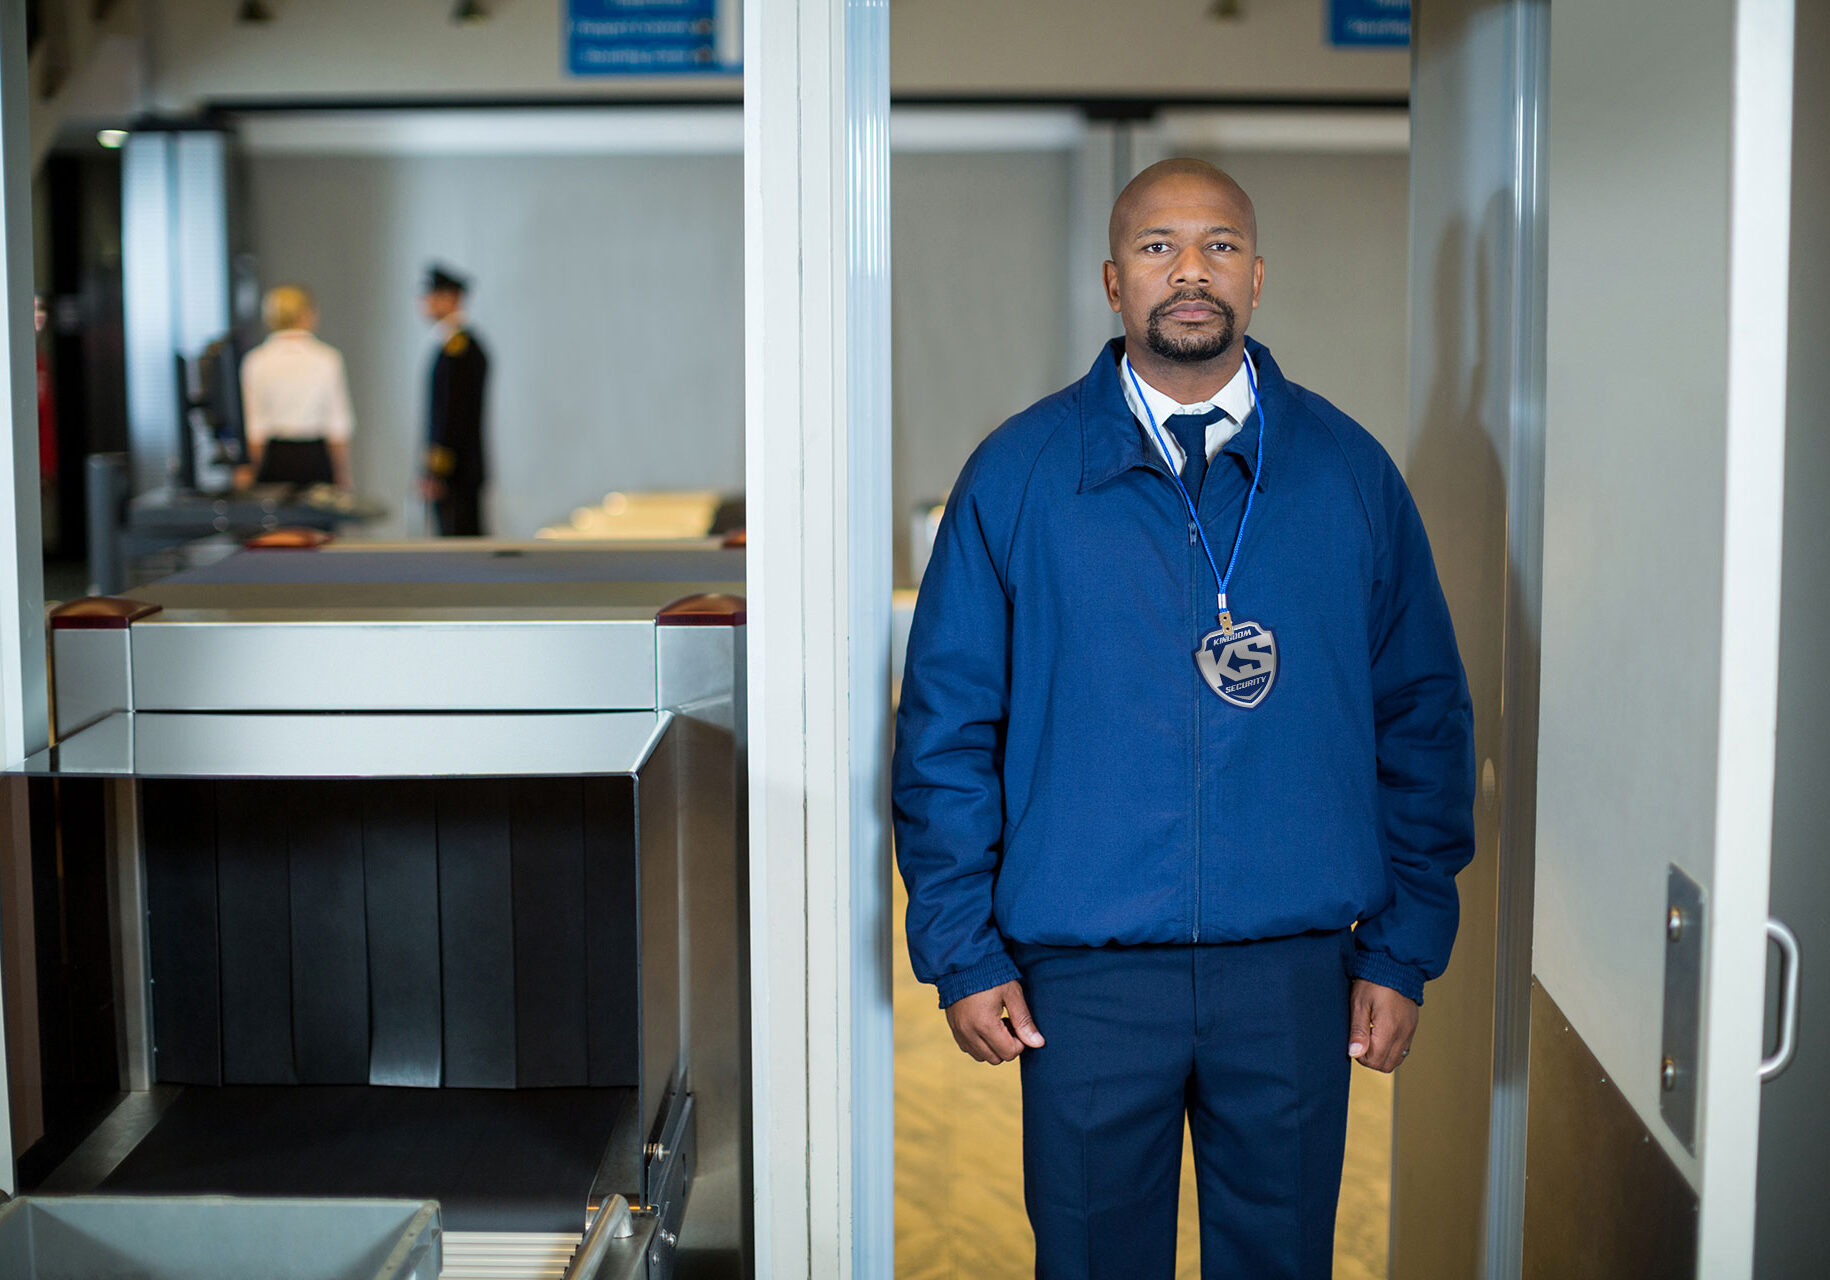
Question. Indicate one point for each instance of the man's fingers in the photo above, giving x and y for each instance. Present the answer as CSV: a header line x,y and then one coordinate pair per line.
x,y
1381,1025
999,1040
1393,1052
1022,1025
981,1031
971,1040
975,1048
1360,1042
993,1044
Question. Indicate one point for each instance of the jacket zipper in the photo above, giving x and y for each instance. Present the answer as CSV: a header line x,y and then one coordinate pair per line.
x,y
1193,539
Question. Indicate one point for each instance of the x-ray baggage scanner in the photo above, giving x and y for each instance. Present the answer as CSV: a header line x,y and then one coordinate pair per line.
x,y
410,872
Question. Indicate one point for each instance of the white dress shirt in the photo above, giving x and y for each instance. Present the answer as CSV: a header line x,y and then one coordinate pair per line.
x,y
293,387
1234,400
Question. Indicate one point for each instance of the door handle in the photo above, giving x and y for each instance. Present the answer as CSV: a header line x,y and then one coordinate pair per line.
x,y
1787,942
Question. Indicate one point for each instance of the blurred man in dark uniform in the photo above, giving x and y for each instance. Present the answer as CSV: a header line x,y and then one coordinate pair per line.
x,y
453,472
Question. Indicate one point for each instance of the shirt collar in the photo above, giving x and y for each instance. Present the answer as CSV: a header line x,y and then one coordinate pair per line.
x,y
1234,399
1111,442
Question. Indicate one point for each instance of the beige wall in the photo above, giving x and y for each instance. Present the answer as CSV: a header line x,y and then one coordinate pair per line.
x,y
1333,229
608,292
985,262
979,296
397,49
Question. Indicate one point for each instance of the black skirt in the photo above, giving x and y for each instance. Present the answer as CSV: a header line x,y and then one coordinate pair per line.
x,y
300,462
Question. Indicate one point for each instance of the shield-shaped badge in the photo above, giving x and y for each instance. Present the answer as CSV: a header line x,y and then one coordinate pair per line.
x,y
1241,667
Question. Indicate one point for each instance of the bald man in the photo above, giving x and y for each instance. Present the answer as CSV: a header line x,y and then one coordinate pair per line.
x,y
1184,767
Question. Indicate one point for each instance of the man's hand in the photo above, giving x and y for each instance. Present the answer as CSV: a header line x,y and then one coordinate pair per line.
x,y
1383,1023
982,1029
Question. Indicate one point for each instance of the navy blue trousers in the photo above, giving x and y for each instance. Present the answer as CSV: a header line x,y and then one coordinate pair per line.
x,y
1248,1041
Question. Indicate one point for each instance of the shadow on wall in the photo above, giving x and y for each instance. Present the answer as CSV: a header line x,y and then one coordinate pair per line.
x,y
1454,467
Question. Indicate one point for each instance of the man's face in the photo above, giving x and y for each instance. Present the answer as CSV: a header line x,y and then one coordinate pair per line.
x,y
1185,274
440,303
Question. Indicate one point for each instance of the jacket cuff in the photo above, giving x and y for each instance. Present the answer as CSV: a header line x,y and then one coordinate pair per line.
x,y
1379,968
993,971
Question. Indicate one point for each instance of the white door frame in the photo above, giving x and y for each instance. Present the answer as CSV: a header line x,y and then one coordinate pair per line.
x,y
1664,492
817,415
1759,263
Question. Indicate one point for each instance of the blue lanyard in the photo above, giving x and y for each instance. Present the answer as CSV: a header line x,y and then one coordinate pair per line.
x,y
1220,579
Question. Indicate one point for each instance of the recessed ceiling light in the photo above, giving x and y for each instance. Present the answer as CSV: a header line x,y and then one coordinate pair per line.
x,y
113,139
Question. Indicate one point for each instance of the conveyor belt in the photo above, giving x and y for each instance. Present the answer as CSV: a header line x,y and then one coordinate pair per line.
x,y
317,568
496,1159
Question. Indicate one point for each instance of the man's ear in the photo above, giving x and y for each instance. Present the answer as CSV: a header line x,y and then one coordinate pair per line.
x,y
1110,272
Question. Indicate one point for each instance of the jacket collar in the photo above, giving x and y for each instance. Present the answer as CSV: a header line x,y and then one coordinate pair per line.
x,y
1112,442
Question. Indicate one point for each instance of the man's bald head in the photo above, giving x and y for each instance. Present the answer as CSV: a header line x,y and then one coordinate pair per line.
x,y
1138,193
1184,276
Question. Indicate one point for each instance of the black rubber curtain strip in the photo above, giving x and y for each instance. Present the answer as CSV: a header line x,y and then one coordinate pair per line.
x,y
253,878
477,933
613,973
330,980
179,818
547,838
400,865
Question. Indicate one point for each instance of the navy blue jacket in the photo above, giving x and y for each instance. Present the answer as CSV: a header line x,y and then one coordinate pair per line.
x,y
1063,774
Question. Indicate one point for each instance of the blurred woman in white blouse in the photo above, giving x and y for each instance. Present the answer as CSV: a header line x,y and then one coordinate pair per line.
x,y
295,399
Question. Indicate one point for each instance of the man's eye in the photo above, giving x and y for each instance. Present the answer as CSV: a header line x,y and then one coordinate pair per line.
x,y
1156,246
1220,246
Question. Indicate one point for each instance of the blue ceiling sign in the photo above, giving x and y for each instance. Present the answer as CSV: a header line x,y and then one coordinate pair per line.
x,y
645,38
1362,23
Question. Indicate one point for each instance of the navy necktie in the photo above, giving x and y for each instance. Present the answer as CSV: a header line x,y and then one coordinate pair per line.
x,y
1190,431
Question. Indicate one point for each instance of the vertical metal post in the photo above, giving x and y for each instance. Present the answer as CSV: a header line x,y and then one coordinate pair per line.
x,y
175,257
1475,460
816,298
866,1009
150,295
127,910
1529,23
24,716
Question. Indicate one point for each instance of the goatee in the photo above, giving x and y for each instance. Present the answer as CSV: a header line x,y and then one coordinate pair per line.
x,y
1194,348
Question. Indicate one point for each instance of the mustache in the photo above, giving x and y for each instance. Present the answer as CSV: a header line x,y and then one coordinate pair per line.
x,y
1191,295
